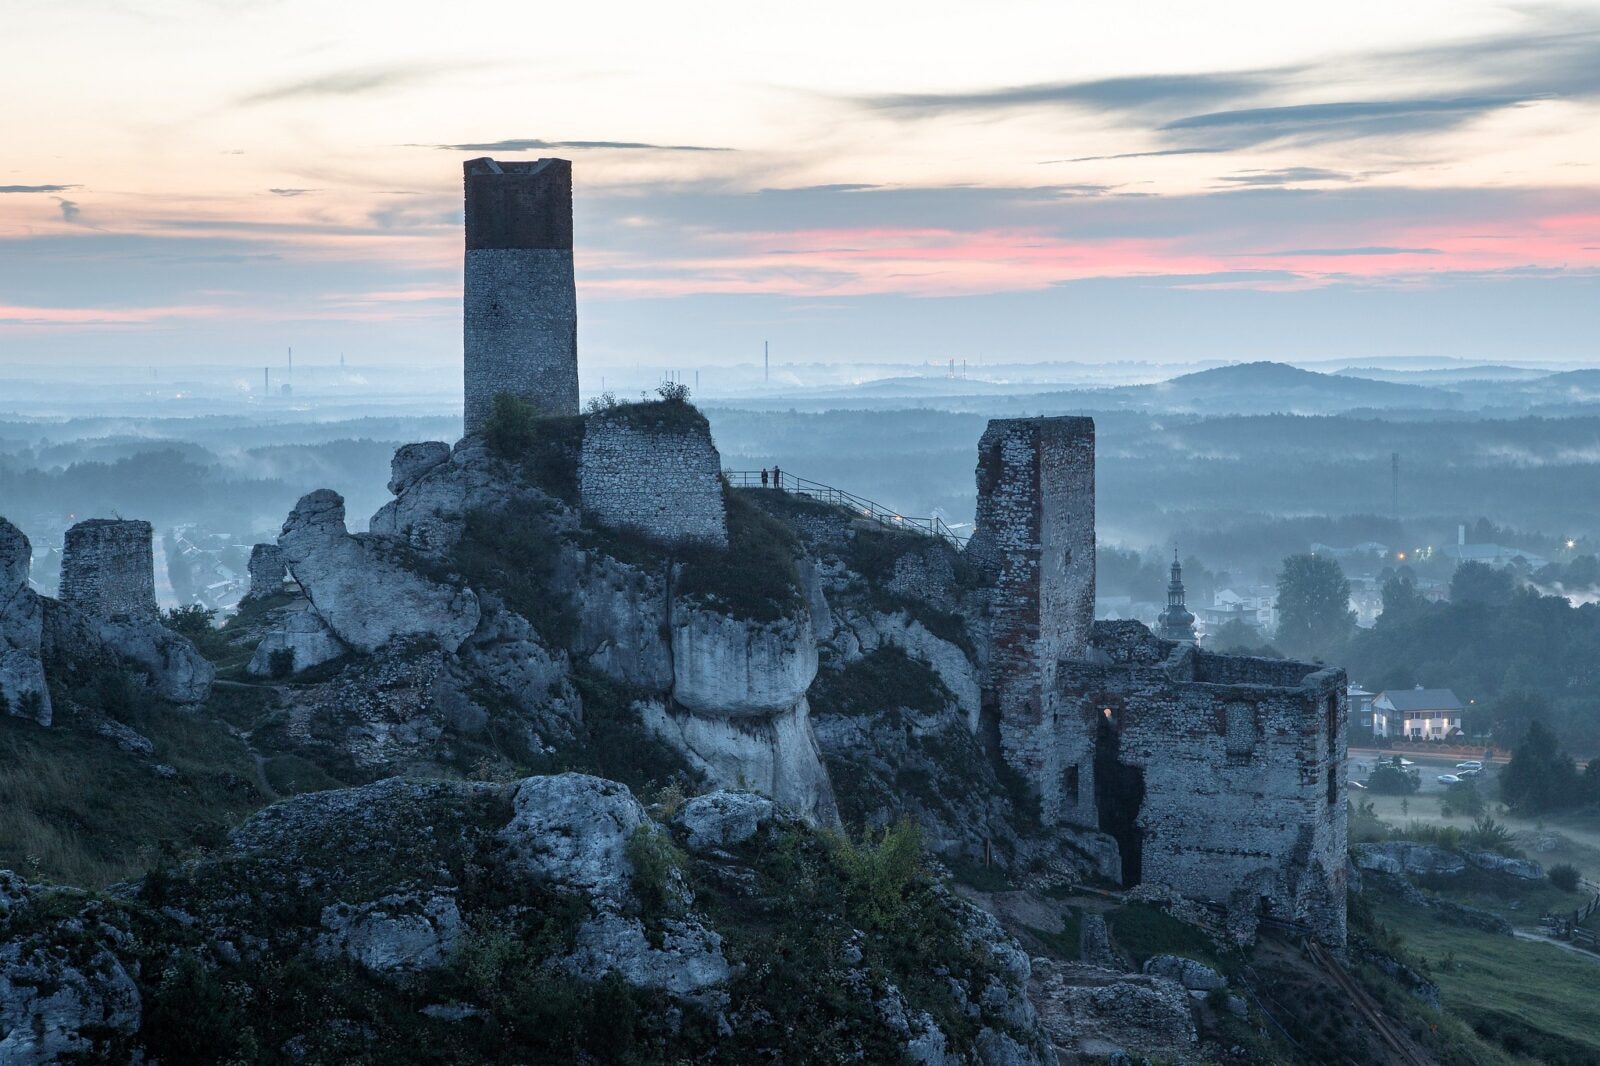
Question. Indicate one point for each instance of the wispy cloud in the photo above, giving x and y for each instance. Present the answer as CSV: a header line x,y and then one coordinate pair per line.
x,y
1138,155
1373,249
69,209
532,144
1285,176
349,83
1343,120
1120,94
292,192
36,188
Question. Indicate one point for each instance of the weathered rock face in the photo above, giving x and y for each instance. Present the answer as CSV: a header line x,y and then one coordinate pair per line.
x,y
572,831
509,654
177,669
622,619
730,667
363,587
22,686
436,487
398,934
775,755
1403,858
860,633
1098,1015
652,468
1195,976
302,634
60,1003
723,819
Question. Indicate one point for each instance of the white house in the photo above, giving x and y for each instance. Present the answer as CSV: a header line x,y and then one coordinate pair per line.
x,y
1417,713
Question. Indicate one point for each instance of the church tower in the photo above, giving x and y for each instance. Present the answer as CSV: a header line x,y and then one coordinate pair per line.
x,y
1176,623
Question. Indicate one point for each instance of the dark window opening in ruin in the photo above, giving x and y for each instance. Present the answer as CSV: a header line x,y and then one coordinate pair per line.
x,y
1069,784
1119,795
1333,747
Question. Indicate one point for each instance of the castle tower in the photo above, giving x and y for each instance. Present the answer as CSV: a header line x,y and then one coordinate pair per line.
x,y
108,569
1176,623
520,316
1035,541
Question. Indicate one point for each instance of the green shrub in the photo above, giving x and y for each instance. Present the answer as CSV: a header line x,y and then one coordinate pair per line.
x,y
756,577
1564,876
658,869
1487,834
510,427
1392,779
880,871
884,680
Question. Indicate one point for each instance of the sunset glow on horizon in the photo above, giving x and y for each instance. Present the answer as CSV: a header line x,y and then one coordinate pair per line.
x,y
187,180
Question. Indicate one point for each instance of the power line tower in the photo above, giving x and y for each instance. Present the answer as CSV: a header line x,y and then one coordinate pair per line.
x,y
1394,486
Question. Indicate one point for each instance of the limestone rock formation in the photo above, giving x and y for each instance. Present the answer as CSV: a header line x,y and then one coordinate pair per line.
x,y
572,831
397,934
723,819
302,635
436,487
775,755
732,667
1195,976
22,685
177,670
621,618
367,588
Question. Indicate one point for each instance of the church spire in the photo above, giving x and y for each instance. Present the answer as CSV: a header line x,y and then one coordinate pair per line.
x,y
1176,623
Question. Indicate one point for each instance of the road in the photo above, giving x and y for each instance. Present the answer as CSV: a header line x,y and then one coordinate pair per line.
x,y
1428,767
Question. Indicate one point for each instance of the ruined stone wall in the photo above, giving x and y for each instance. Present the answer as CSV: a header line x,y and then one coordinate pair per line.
x,y
108,569
653,468
1243,784
1035,542
520,316
267,571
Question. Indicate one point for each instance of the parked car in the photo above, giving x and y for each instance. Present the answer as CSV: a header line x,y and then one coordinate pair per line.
x,y
1407,762
1358,785
1449,779
1470,764
1468,773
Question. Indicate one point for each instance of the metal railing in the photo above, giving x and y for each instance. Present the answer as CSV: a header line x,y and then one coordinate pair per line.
x,y
787,482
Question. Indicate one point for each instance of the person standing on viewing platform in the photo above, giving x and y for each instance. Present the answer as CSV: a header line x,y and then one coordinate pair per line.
x,y
777,479
763,477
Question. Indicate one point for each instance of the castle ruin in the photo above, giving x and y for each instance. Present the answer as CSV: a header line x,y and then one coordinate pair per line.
x,y
1221,777
108,569
520,314
653,468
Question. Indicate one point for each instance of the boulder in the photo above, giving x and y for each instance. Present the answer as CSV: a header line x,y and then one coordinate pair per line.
x,y
411,461
23,692
60,1005
129,740
776,755
733,667
1407,858
1131,1012
304,635
1493,862
178,672
397,934
723,819
684,957
369,589
572,831
1195,976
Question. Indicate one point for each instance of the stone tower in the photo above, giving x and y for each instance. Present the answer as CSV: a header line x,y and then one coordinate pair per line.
x,y
520,317
1035,541
108,569
1177,621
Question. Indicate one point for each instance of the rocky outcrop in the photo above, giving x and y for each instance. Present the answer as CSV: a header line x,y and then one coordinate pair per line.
x,y
621,618
1098,1015
368,589
508,653
729,667
300,638
723,819
1195,976
65,995
1407,858
177,670
861,633
22,686
398,934
572,831
436,487
1519,869
775,755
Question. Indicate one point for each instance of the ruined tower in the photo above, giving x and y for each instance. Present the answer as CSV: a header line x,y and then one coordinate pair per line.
x,y
520,317
1035,540
108,569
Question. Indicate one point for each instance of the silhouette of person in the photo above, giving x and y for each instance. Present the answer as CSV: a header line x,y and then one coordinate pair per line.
x,y
777,480
763,477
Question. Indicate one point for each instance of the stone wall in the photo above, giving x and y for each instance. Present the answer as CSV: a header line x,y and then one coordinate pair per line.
x,y
267,571
653,468
1221,777
108,569
1035,543
520,312
23,692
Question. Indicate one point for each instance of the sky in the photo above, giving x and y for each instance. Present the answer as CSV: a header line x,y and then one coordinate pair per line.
x,y
216,180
